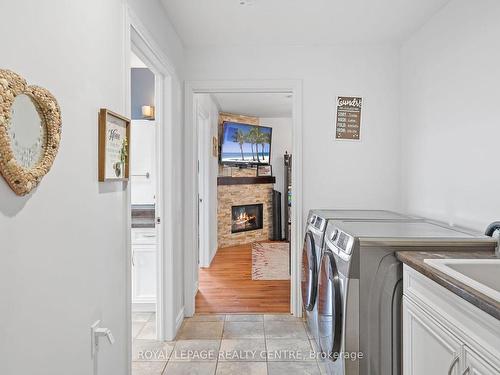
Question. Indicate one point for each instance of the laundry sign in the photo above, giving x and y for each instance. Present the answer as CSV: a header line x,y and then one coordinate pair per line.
x,y
348,122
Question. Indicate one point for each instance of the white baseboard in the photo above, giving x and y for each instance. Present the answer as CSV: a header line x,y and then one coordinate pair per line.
x,y
196,287
214,253
179,320
144,307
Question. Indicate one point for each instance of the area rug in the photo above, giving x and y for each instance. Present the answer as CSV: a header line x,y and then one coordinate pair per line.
x,y
270,261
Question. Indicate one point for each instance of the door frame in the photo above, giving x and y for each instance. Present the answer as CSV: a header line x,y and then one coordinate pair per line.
x,y
191,88
203,241
139,40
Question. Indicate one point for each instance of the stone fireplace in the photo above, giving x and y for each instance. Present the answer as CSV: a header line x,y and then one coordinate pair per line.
x,y
246,217
244,210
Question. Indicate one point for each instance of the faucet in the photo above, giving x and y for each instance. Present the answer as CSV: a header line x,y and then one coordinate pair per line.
x,y
492,228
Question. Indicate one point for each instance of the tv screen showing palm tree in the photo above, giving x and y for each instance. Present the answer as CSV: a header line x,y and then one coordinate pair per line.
x,y
245,144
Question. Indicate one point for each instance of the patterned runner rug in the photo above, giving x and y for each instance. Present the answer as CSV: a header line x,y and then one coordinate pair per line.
x,y
270,261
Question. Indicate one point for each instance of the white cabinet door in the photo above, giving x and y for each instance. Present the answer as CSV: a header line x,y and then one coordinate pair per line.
x,y
428,348
476,365
144,274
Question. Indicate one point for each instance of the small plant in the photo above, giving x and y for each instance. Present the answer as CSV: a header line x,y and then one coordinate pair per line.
x,y
123,151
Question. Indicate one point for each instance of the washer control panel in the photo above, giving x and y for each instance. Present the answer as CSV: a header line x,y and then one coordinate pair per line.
x,y
317,222
320,223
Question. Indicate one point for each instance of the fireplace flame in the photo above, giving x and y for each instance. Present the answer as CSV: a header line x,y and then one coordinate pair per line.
x,y
244,217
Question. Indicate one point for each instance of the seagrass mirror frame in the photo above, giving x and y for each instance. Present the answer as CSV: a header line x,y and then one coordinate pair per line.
x,y
23,180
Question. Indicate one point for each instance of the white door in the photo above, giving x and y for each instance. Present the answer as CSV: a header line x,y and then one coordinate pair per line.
x,y
428,348
203,124
477,365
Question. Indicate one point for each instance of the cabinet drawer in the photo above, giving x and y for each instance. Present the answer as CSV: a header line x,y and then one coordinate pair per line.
x,y
144,236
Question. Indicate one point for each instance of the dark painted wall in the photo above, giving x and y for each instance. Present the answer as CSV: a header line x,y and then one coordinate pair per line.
x,y
143,90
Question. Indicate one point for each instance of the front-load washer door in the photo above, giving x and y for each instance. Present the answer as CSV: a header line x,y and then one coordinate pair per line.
x,y
329,307
309,280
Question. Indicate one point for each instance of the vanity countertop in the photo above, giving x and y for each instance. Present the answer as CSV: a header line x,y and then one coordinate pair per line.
x,y
415,259
143,216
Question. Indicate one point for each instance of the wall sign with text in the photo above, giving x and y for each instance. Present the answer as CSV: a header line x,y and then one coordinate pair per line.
x,y
348,121
114,146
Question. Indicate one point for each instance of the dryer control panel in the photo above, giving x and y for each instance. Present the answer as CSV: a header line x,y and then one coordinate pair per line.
x,y
343,243
339,242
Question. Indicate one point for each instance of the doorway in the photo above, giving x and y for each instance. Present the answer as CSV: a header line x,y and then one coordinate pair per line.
x,y
144,194
160,180
226,259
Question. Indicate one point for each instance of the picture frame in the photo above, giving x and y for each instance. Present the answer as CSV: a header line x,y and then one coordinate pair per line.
x,y
348,118
114,146
264,170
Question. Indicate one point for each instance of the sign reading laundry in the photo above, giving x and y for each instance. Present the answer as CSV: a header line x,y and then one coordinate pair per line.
x,y
348,122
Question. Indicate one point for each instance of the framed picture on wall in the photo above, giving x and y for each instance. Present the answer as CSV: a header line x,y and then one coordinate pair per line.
x,y
114,146
348,118
264,170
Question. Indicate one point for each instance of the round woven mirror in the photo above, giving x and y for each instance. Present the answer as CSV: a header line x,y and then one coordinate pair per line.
x,y
30,132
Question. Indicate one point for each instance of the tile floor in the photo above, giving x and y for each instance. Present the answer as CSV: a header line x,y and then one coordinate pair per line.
x,y
143,326
220,344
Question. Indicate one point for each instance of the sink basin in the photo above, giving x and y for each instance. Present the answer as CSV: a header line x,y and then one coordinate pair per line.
x,y
482,275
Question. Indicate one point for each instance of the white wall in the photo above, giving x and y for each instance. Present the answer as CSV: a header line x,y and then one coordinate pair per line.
x,y
450,88
63,246
363,174
282,141
154,17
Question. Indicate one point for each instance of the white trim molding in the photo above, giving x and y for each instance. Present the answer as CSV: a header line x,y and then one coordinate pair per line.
x,y
179,319
143,44
293,87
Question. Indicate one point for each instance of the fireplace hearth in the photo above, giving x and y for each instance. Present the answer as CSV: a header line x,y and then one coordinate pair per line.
x,y
246,217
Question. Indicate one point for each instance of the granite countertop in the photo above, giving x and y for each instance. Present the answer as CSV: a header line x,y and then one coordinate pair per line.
x,y
143,216
416,261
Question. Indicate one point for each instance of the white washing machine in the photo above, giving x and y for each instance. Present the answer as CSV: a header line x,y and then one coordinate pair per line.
x,y
360,289
311,254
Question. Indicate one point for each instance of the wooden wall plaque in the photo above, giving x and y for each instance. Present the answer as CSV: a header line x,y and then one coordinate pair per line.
x,y
348,121
114,146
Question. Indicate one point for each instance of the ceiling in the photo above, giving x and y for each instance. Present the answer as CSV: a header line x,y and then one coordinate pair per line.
x,y
298,22
255,104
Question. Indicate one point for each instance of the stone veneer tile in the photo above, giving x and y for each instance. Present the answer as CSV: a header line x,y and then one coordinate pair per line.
x,y
233,195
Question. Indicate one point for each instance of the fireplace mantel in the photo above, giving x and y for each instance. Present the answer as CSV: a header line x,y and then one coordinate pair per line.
x,y
224,180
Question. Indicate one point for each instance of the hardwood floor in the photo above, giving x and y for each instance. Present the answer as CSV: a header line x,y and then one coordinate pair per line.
x,y
227,286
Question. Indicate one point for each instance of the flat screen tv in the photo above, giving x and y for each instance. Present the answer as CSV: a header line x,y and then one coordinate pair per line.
x,y
244,144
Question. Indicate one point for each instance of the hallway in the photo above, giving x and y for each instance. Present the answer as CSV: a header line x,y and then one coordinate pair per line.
x,y
231,344
227,286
